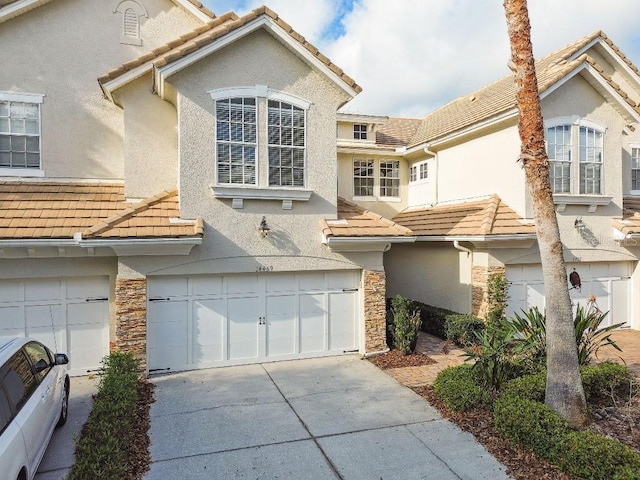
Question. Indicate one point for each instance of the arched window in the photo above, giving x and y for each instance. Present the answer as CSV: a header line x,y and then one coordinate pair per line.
x,y
131,12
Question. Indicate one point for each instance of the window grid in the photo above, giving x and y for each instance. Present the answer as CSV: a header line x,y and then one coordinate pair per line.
x,y
559,152
236,140
413,173
360,131
590,161
363,178
19,135
424,171
286,133
635,168
390,178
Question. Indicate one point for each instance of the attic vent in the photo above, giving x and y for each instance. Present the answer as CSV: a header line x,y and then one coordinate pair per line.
x,y
131,12
473,98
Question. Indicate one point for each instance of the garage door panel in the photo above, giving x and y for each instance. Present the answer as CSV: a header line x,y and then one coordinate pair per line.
x,y
44,289
341,280
310,281
10,291
208,332
168,336
280,328
12,320
168,287
620,309
83,288
341,328
242,284
313,332
242,328
280,282
44,316
206,285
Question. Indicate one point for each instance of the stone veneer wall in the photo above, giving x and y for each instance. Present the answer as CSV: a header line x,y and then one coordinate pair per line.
x,y
131,317
480,289
375,321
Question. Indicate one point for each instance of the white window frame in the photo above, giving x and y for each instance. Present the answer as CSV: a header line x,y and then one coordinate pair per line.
x,y
413,173
369,166
419,172
360,131
591,159
31,98
635,151
393,168
281,147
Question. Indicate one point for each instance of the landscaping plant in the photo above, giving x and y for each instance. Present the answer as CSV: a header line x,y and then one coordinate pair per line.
x,y
406,323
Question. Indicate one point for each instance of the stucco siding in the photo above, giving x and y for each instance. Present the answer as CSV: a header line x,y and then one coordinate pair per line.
x,y
436,274
483,166
82,133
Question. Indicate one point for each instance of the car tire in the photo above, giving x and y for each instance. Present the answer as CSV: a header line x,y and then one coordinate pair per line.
x,y
64,410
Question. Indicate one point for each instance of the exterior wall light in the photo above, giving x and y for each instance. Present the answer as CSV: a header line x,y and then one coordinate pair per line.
x,y
264,228
579,224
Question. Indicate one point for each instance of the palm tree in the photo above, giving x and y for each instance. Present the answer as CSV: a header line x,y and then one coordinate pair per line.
x,y
564,392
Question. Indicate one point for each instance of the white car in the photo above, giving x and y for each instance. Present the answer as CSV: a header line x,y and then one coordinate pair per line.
x,y
34,398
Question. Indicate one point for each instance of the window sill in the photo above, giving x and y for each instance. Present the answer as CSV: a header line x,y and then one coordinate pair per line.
x,y
238,194
21,172
593,201
390,199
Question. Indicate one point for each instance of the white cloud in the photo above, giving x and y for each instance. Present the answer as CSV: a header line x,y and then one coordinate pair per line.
x,y
411,56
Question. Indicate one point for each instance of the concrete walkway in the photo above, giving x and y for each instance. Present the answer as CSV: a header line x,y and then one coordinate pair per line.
x,y
60,454
326,418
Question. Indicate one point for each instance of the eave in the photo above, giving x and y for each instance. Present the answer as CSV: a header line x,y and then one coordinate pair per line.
x,y
364,244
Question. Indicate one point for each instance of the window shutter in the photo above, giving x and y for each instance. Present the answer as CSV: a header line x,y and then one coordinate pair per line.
x,y
131,24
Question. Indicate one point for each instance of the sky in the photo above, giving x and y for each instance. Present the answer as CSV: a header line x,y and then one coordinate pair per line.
x,y
413,56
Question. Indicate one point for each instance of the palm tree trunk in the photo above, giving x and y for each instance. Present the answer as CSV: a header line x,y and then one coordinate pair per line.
x,y
564,392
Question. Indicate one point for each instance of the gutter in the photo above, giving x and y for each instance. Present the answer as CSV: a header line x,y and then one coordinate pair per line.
x,y
475,238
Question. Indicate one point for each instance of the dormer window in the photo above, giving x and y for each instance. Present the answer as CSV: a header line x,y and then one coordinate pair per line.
x,y
359,131
131,12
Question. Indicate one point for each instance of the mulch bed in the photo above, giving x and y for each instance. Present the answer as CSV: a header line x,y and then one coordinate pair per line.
x,y
395,359
138,450
616,419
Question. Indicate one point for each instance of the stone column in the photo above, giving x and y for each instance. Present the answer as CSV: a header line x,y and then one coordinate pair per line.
x,y
375,320
131,317
480,289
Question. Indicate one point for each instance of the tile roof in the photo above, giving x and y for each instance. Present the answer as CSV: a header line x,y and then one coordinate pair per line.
x,y
630,223
211,31
397,131
47,210
355,221
500,97
483,217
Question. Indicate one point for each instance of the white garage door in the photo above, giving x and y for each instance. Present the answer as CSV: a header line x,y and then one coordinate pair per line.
x,y
609,283
210,320
68,315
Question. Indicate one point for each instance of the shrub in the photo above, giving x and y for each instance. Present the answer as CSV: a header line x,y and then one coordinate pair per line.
x,y
529,387
530,424
101,451
406,323
590,337
607,379
493,356
461,329
497,292
459,389
433,319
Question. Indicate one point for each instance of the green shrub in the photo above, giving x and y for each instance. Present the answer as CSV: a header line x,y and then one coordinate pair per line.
x,y
590,337
494,361
459,389
497,293
607,379
432,319
587,455
530,424
406,323
461,329
529,387
101,451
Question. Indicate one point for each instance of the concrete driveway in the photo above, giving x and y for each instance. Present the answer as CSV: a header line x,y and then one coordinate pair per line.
x,y
326,418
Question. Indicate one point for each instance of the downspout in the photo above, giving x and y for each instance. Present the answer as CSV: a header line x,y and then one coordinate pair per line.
x,y
457,246
437,160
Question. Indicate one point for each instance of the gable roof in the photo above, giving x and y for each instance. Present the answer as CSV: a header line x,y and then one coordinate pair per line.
x,y
18,7
355,221
48,210
499,98
202,41
475,218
